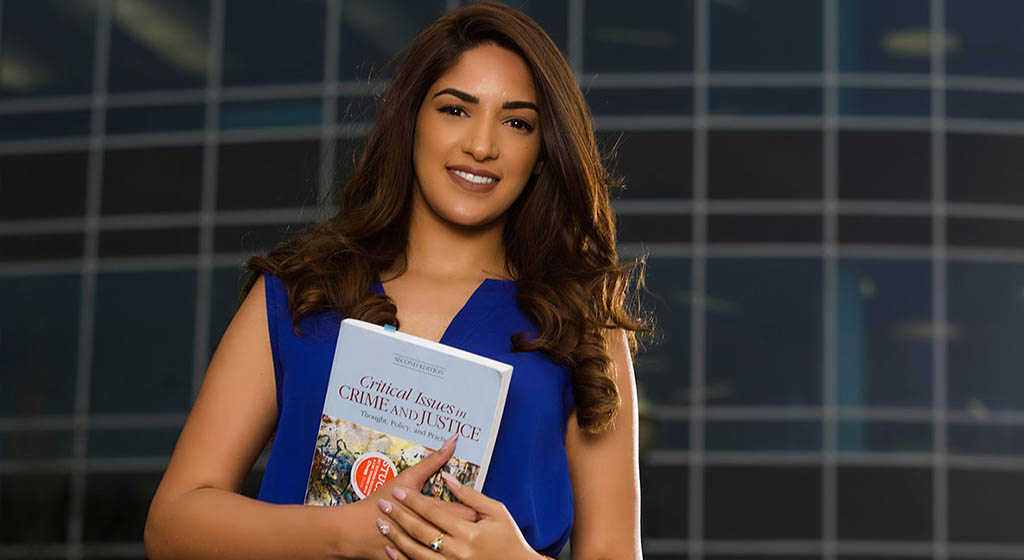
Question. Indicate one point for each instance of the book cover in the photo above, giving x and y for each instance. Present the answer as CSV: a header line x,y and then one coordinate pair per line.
x,y
392,399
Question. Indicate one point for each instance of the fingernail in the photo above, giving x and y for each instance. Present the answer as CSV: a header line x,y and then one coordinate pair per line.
x,y
390,552
451,442
451,480
398,493
383,527
385,506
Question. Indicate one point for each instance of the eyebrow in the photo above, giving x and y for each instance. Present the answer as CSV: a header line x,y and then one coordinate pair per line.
x,y
468,98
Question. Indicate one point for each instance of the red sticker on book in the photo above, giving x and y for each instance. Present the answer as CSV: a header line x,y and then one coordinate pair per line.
x,y
370,472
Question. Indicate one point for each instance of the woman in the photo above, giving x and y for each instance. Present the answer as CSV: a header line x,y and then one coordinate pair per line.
x,y
479,216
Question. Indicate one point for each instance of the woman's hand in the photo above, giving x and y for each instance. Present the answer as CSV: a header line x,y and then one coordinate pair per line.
x,y
409,481
413,522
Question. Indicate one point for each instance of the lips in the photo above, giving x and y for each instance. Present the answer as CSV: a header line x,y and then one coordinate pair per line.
x,y
471,185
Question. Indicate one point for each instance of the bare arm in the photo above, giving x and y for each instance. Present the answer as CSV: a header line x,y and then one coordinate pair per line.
x,y
605,473
197,512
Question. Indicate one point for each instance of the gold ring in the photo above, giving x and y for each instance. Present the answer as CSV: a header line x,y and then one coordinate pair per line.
x,y
435,544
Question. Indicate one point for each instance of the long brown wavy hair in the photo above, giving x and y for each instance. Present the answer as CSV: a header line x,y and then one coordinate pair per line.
x,y
559,235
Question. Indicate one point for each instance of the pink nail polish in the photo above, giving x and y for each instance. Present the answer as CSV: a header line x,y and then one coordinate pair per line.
x,y
450,443
390,552
385,506
398,493
451,480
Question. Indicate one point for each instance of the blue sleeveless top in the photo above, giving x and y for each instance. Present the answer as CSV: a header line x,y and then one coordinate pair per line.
x,y
529,472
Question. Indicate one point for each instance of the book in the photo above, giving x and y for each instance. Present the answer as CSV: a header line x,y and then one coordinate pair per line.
x,y
392,399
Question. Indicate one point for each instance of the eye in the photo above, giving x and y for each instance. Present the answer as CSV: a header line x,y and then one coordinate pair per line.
x,y
453,110
520,124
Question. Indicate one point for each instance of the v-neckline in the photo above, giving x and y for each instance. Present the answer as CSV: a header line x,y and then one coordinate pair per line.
x,y
457,328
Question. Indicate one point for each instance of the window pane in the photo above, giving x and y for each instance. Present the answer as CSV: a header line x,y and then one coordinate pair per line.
x,y
653,229
166,179
765,101
974,439
884,314
38,380
980,232
747,36
253,239
132,442
116,505
985,38
885,165
35,444
984,105
760,228
165,118
743,502
900,230
268,175
670,435
62,176
373,31
158,44
884,36
986,506
33,62
664,489
140,243
776,164
986,316
41,246
885,102
764,331
291,112
762,436
641,160
985,168
884,504
663,370
281,42
861,436
652,101
552,16
34,126
657,37
227,285
34,508
143,347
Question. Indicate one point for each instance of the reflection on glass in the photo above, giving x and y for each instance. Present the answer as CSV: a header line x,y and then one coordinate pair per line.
x,y
868,436
884,328
765,101
986,315
282,42
663,369
763,331
762,436
158,44
985,38
142,359
38,354
47,47
657,37
779,36
884,36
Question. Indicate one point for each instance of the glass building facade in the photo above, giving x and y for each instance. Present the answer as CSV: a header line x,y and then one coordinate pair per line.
x,y
830,192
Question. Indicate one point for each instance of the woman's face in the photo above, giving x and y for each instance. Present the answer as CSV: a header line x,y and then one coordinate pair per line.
x,y
477,138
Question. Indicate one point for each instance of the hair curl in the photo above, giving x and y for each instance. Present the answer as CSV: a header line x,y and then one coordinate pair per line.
x,y
559,235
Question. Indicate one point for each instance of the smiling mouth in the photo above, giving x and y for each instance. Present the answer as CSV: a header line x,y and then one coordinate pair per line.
x,y
477,179
472,182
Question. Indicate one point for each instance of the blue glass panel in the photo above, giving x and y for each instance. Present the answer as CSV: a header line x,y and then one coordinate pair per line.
x,y
884,314
132,442
552,15
47,47
654,101
142,360
863,435
762,436
975,439
884,36
35,444
655,36
764,331
984,105
281,42
765,101
663,370
38,344
159,44
292,112
165,118
779,36
986,316
985,42
373,31
32,126
882,102
669,435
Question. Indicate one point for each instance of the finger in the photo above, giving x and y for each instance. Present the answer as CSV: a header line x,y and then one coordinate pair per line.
x,y
456,510
404,544
432,511
423,530
394,554
418,474
472,498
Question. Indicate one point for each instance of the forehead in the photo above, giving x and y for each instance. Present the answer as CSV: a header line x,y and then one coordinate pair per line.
x,y
489,71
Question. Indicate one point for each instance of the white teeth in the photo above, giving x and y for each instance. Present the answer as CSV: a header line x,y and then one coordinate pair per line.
x,y
474,178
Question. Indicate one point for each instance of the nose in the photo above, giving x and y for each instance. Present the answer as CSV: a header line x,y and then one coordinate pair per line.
x,y
481,142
